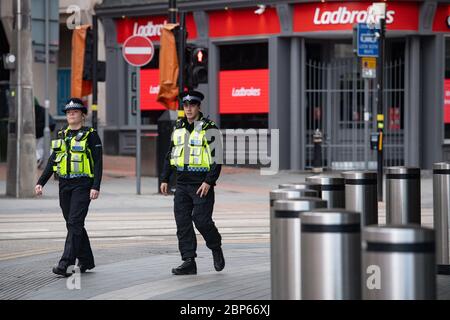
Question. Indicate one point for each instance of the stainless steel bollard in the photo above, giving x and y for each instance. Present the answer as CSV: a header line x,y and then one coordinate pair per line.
x,y
331,188
331,255
289,194
441,211
286,194
299,185
361,195
399,263
402,195
285,242
282,194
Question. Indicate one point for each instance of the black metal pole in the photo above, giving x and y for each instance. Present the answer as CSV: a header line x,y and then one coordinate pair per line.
x,y
380,108
94,70
181,53
173,11
165,122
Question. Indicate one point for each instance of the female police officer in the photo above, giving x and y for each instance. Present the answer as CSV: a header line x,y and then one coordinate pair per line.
x,y
77,160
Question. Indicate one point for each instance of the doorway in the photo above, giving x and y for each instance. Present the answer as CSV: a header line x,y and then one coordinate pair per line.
x,y
342,105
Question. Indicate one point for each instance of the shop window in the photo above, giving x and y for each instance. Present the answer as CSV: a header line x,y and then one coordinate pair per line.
x,y
252,60
244,56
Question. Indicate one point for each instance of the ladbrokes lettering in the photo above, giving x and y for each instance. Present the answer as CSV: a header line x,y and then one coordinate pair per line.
x,y
154,89
345,16
246,92
149,30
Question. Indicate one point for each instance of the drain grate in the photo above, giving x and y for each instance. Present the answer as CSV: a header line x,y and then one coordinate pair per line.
x,y
18,282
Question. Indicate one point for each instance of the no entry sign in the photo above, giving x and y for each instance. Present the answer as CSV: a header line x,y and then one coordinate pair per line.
x,y
138,50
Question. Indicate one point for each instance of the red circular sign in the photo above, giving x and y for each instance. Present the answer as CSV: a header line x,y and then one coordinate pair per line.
x,y
138,50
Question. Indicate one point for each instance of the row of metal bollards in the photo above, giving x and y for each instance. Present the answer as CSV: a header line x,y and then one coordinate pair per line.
x,y
326,242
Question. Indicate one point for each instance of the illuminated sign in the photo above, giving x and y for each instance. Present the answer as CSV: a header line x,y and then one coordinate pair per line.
x,y
244,91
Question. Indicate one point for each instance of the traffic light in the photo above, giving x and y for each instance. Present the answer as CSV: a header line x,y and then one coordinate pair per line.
x,y
196,66
88,55
200,63
89,60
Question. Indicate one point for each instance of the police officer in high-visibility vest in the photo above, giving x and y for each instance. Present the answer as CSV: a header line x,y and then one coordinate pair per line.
x,y
191,156
77,160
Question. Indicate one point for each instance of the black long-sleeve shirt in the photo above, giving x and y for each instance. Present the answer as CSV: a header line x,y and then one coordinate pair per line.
x,y
95,145
190,177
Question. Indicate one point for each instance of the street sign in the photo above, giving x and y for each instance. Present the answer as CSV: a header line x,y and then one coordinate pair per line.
x,y
367,44
369,67
138,50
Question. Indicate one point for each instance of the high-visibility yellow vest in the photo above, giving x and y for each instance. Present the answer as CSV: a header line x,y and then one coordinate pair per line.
x,y
73,156
198,155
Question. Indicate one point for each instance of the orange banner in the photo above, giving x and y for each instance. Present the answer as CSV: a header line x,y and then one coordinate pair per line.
x,y
79,87
168,69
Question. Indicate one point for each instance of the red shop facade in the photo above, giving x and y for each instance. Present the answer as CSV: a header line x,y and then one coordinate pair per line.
x,y
292,68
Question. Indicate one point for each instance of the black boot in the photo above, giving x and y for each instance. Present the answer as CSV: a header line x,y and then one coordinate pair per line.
x,y
219,260
187,267
83,267
59,270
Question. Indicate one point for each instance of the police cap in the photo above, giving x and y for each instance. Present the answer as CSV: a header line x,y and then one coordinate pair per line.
x,y
75,104
192,96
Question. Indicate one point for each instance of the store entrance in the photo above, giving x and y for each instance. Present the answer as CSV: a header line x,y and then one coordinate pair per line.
x,y
342,105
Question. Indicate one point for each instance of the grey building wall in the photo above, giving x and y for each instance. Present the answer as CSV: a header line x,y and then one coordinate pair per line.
x,y
433,73
212,97
116,98
413,81
297,110
279,93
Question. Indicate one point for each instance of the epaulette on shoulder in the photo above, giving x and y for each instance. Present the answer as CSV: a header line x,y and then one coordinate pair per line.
x,y
179,123
87,130
83,133
61,132
208,123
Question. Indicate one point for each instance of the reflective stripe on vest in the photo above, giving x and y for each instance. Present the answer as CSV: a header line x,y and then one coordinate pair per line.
x,y
198,157
79,154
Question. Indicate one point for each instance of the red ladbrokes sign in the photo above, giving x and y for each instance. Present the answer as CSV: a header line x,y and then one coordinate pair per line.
x,y
149,27
149,90
337,16
447,101
244,91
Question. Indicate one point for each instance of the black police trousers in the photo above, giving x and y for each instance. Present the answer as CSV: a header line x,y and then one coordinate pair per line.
x,y
190,208
74,199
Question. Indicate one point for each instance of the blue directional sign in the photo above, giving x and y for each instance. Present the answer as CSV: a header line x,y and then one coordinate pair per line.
x,y
368,44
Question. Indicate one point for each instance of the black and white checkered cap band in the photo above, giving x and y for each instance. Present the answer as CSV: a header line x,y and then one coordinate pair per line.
x,y
72,105
190,98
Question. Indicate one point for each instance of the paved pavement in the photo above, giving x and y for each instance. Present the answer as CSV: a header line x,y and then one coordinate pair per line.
x,y
134,242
